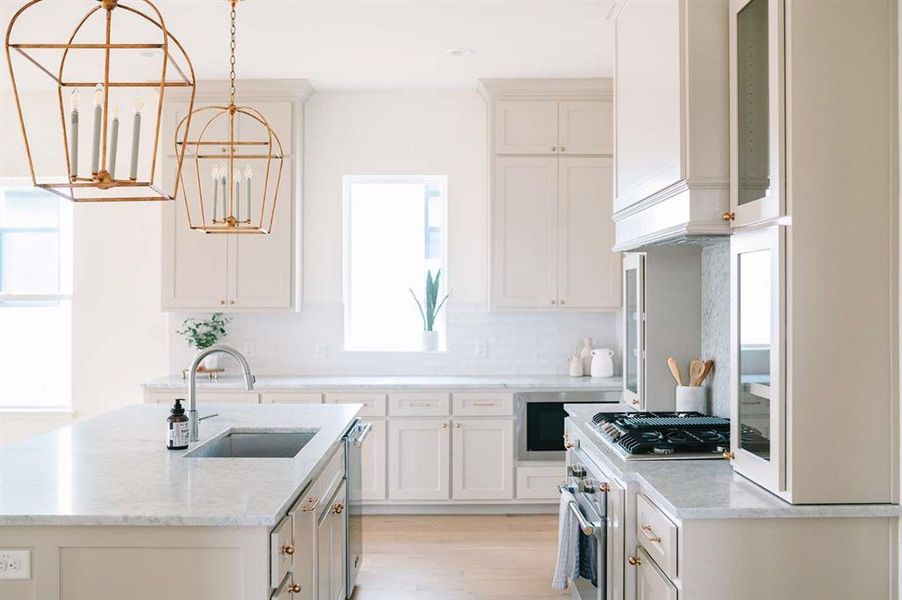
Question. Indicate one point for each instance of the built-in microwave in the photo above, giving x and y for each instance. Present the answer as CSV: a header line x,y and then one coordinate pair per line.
x,y
541,421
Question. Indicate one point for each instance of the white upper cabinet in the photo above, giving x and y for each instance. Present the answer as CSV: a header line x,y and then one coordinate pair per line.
x,y
550,214
526,127
672,121
236,272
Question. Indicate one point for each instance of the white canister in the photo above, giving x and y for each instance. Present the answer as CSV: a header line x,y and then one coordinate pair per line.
x,y
692,398
602,362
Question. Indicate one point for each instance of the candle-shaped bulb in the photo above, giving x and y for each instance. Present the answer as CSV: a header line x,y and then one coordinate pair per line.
x,y
117,109
214,173
139,104
248,172
75,100
237,176
98,95
222,171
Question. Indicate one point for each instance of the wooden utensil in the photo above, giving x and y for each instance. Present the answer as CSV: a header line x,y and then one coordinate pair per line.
x,y
696,371
675,370
709,364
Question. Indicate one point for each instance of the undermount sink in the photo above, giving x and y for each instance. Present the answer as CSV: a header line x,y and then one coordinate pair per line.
x,y
254,444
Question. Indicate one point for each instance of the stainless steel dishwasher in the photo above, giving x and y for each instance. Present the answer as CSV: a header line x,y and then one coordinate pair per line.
x,y
354,440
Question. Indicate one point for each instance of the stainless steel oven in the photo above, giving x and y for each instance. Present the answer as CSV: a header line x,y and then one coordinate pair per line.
x,y
590,511
540,421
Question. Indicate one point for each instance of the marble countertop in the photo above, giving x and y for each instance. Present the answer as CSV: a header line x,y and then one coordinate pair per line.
x,y
514,383
704,489
115,469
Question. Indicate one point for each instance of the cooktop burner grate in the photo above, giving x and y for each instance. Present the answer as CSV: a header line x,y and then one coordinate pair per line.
x,y
664,434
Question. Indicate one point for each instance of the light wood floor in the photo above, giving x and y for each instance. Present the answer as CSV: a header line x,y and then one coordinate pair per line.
x,y
450,557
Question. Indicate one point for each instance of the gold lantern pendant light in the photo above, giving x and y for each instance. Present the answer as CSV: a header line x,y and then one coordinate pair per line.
x,y
81,163
244,177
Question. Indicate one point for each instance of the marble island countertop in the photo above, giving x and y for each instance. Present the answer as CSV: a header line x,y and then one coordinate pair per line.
x,y
513,383
115,469
704,489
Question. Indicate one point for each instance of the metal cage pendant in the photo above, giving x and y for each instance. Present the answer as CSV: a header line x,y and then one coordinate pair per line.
x,y
232,184
97,156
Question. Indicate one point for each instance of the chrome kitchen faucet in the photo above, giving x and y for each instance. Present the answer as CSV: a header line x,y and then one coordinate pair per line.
x,y
249,380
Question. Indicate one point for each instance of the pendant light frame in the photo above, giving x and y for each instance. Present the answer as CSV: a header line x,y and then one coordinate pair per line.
x,y
106,187
266,147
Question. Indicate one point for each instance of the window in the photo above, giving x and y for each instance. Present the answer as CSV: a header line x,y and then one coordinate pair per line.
x,y
395,233
35,299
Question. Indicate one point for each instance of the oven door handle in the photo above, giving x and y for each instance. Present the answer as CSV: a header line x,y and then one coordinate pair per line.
x,y
584,525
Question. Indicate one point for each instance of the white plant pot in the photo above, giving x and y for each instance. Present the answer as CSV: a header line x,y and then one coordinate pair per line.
x,y
429,341
211,362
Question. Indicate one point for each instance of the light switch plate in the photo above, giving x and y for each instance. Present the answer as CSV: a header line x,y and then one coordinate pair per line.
x,y
482,349
15,564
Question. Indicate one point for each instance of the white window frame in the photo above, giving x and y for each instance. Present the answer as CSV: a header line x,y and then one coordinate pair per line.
x,y
66,245
440,181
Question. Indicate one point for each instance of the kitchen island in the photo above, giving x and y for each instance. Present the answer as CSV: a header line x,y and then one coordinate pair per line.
x,y
107,511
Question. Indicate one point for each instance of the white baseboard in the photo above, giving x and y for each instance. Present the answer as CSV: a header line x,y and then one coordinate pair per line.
x,y
459,509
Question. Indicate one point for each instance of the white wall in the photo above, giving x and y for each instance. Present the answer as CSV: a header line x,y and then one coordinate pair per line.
x,y
119,336
422,133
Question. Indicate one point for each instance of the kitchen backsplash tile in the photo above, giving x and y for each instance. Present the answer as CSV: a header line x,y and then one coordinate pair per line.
x,y
716,323
515,343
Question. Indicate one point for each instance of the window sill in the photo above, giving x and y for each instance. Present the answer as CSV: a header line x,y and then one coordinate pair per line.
x,y
37,413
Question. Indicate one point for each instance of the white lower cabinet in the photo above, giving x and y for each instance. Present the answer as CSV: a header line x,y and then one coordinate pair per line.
x,y
373,460
651,583
331,542
482,458
419,459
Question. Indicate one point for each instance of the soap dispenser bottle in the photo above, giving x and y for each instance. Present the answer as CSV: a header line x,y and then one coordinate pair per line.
x,y
177,428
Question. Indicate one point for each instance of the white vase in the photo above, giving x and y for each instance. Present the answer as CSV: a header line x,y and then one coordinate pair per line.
x,y
429,341
211,362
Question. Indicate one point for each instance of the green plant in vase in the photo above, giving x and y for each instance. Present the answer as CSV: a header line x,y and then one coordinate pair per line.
x,y
203,333
430,308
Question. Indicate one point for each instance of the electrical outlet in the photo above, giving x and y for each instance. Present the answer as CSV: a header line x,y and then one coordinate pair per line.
x,y
248,349
320,351
15,564
482,349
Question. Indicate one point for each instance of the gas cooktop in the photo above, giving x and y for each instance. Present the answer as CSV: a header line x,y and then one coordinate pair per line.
x,y
664,435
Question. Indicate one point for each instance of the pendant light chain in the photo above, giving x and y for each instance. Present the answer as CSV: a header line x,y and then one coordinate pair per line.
x,y
232,60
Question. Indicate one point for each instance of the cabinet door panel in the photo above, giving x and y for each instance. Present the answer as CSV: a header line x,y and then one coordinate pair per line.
x,y
419,459
373,458
651,584
526,127
330,549
483,459
634,330
586,128
588,271
195,264
260,266
524,233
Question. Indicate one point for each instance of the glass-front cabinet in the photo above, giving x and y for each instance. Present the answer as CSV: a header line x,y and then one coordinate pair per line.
x,y
756,111
757,267
634,330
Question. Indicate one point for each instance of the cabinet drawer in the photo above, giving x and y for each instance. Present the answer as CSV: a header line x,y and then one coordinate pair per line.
x,y
292,398
281,549
373,404
539,483
286,590
651,583
476,404
418,405
657,534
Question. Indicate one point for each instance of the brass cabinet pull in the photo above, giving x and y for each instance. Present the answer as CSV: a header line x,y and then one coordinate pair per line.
x,y
553,302
604,487
554,148
729,216
222,302
289,549
563,302
338,508
634,402
650,534
231,302
563,148
312,503
457,425
634,560
568,445
294,588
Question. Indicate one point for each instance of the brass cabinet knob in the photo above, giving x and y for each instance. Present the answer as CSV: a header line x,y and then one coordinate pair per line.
x,y
604,487
553,302
338,508
294,588
729,456
634,560
563,302
554,148
222,302
289,549
231,302
729,216
634,402
568,445
457,425
444,426
563,148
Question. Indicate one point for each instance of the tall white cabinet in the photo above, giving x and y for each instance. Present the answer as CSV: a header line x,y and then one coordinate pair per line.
x,y
815,246
238,272
551,196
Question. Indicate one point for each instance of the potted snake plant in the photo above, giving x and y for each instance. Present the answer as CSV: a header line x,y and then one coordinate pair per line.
x,y
429,310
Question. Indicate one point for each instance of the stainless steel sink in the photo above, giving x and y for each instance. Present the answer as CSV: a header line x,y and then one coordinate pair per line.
x,y
254,444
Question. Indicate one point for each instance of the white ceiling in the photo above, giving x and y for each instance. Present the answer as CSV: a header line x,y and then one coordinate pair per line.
x,y
367,44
